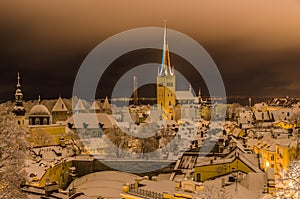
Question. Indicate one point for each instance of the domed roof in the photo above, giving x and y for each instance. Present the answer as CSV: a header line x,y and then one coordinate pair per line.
x,y
39,110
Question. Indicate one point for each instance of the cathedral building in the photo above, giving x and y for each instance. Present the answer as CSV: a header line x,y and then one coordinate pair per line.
x,y
173,103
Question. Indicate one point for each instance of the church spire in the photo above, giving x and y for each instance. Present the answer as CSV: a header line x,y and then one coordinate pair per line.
x,y
19,110
165,69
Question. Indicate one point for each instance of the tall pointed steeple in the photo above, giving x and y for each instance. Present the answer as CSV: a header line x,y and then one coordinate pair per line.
x,y
165,69
18,109
166,83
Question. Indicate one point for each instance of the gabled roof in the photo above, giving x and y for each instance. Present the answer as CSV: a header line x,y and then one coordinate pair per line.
x,y
79,106
59,106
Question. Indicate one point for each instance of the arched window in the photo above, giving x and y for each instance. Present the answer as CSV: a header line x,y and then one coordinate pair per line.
x,y
37,121
45,121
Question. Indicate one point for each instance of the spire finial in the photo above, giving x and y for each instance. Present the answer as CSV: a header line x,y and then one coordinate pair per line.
x,y
18,84
39,99
166,69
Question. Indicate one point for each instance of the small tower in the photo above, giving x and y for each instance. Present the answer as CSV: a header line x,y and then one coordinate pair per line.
x,y
79,108
59,111
106,106
166,84
95,107
199,96
19,109
39,114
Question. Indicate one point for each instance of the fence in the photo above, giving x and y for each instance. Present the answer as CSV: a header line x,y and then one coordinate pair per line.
x,y
144,193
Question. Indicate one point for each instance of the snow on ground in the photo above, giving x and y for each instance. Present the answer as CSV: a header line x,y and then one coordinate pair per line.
x,y
106,183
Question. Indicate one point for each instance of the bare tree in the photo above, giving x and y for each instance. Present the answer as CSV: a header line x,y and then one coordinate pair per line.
x,y
12,156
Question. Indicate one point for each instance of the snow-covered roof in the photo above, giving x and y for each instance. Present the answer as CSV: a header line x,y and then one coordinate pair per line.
x,y
39,110
184,95
261,116
254,181
92,120
105,183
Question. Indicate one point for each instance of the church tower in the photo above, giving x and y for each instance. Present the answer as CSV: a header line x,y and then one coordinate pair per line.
x,y
166,84
19,109
59,111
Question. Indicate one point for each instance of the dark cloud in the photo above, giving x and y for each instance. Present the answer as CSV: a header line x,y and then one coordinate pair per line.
x,y
255,44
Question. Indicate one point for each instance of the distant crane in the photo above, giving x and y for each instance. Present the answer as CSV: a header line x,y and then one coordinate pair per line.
x,y
135,91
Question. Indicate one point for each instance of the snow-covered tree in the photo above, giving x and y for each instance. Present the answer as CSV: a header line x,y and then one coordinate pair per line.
x,y
12,155
214,192
291,180
118,142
